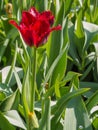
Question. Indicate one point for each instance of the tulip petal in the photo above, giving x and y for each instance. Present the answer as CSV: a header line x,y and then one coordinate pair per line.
x,y
42,39
27,36
39,30
27,18
15,24
56,28
34,12
35,27
47,15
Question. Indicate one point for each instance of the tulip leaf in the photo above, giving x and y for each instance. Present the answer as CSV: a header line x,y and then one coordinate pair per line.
x,y
68,4
4,72
18,81
69,76
49,73
57,86
92,85
41,3
57,6
96,62
87,70
79,34
54,44
91,30
45,121
4,123
5,89
61,105
46,4
72,49
9,76
2,96
14,118
92,101
25,88
3,48
10,102
78,116
60,68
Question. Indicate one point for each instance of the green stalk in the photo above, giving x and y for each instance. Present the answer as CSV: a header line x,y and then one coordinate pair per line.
x,y
33,81
32,119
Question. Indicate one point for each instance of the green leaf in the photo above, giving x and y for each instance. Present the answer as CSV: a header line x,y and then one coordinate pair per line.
x,y
11,102
14,118
45,121
91,30
50,71
57,6
9,76
5,89
95,68
61,104
4,124
92,101
72,48
78,26
21,110
78,116
79,34
94,15
18,81
69,76
68,4
4,73
2,96
41,68
50,92
15,7
86,72
3,48
95,123
25,89
92,85
54,44
42,6
60,68
57,87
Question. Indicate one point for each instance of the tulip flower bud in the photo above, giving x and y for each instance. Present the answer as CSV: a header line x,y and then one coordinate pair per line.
x,y
9,9
35,27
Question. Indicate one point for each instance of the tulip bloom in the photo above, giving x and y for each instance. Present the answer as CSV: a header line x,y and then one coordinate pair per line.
x,y
35,27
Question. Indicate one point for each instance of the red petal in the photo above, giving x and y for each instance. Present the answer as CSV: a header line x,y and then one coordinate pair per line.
x,y
39,29
56,28
35,27
34,12
47,15
27,18
27,36
15,24
42,39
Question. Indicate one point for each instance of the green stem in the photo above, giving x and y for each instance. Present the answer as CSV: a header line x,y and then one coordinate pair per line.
x,y
33,80
32,122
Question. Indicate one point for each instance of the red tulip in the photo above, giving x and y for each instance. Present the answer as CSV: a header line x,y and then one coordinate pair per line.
x,y
35,27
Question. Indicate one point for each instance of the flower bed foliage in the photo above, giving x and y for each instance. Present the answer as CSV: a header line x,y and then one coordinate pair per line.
x,y
49,80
